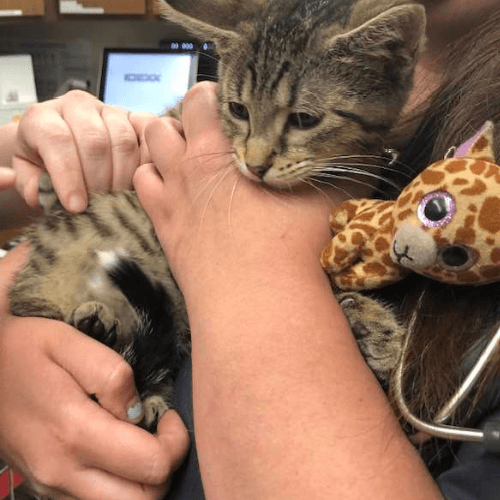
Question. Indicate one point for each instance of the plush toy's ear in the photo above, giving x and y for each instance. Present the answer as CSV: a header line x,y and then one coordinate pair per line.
x,y
175,11
479,147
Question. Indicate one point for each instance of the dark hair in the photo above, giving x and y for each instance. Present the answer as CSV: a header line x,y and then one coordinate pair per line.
x,y
452,321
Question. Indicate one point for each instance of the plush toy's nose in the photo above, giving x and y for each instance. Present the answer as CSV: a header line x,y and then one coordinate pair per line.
x,y
413,248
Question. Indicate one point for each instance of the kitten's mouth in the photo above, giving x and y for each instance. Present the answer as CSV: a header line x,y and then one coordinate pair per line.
x,y
243,168
271,176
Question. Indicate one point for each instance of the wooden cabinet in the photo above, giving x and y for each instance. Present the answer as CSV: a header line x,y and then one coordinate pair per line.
x,y
16,8
56,10
79,7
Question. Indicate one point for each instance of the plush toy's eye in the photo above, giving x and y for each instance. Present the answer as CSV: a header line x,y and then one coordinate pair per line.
x,y
436,209
457,257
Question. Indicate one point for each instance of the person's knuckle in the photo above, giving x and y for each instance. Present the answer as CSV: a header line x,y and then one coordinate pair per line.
x,y
203,88
95,143
160,468
125,143
77,96
119,375
58,136
31,110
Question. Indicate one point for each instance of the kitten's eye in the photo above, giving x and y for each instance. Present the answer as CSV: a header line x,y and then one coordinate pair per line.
x,y
239,111
303,120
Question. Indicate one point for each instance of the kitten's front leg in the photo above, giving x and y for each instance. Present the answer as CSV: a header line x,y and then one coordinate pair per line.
x,y
377,330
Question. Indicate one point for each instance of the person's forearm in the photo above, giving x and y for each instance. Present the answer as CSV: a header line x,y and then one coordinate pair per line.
x,y
291,413
14,211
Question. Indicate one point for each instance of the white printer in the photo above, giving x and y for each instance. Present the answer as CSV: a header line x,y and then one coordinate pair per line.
x,y
17,86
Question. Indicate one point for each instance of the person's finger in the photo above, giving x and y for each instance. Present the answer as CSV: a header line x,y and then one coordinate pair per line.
x,y
132,452
89,483
140,121
96,484
102,372
93,145
49,143
174,436
161,132
7,178
27,179
201,119
148,185
10,265
125,153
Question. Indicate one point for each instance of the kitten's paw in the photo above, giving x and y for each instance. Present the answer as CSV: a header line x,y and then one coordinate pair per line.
x,y
377,330
154,408
47,197
96,320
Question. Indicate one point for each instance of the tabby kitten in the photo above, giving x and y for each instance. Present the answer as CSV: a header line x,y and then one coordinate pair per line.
x,y
304,85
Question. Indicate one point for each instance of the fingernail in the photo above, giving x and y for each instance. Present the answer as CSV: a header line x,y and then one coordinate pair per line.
x,y
76,203
135,412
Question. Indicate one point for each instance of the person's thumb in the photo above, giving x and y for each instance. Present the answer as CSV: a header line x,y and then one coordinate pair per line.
x,y
99,370
174,436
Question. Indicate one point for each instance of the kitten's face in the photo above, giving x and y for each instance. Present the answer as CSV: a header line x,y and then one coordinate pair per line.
x,y
294,125
303,84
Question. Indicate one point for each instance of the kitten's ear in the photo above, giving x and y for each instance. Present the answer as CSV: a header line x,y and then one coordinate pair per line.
x,y
225,14
181,12
391,40
398,28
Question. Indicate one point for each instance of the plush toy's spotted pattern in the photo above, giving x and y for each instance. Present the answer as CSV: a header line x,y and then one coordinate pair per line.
x,y
445,225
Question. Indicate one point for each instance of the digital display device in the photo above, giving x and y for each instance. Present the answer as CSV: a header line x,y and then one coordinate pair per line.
x,y
151,80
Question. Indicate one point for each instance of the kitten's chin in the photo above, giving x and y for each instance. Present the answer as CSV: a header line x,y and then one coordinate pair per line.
x,y
243,169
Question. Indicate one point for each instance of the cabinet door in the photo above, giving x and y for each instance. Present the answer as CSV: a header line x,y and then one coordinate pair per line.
x,y
9,8
102,7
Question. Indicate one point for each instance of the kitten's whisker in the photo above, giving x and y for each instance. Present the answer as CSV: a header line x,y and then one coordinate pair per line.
x,y
308,182
212,155
334,170
333,186
371,157
208,55
275,193
233,191
347,178
213,78
204,187
222,177
366,165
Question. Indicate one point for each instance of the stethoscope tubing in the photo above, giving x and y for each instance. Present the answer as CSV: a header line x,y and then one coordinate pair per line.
x,y
489,436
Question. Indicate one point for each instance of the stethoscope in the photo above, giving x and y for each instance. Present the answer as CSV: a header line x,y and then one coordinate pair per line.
x,y
489,436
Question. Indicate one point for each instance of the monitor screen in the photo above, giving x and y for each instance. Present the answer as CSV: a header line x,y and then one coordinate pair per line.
x,y
147,79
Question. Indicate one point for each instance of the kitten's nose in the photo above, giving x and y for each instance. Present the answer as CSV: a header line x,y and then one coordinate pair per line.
x,y
259,170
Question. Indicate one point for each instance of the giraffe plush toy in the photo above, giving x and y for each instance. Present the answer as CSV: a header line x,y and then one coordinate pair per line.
x,y
444,225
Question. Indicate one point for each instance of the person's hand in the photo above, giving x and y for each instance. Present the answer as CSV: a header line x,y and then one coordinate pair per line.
x,y
64,443
85,145
208,216
7,178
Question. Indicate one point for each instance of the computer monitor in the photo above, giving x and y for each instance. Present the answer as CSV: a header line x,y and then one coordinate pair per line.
x,y
151,80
